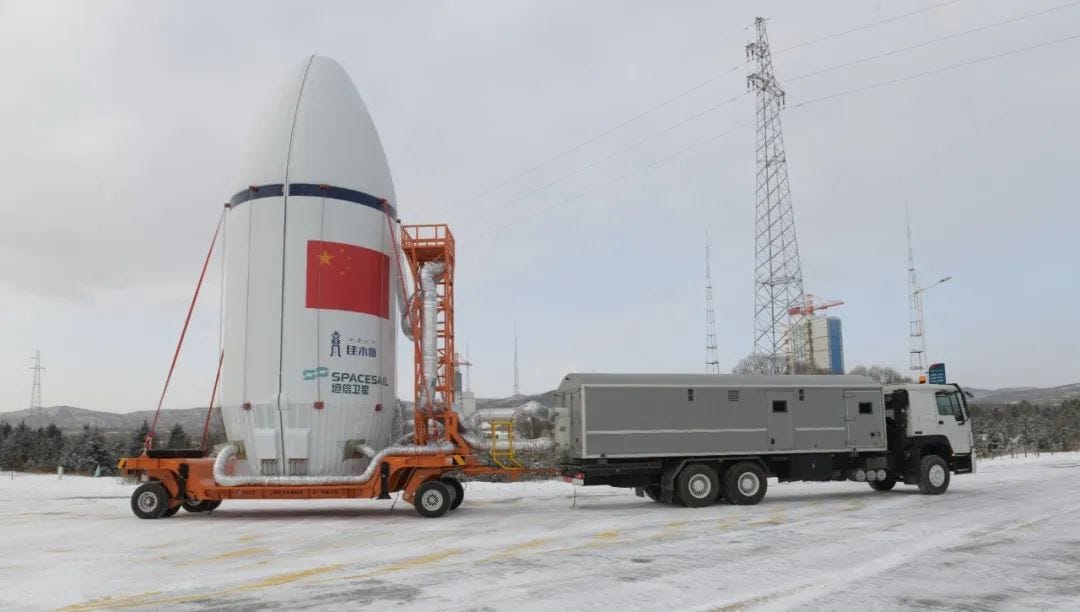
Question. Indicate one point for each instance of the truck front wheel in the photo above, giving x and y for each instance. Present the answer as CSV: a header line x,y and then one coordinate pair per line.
x,y
933,475
744,484
697,485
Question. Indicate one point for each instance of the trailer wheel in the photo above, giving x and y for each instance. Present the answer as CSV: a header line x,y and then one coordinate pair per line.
x,y
697,485
214,505
196,507
883,486
933,475
456,490
745,484
433,499
150,501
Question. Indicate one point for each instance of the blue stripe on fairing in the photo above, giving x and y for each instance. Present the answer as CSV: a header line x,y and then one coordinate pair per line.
x,y
312,190
257,191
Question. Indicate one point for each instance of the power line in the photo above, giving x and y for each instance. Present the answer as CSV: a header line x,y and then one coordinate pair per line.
x,y
866,26
934,40
917,75
736,127
611,130
633,171
611,155
666,102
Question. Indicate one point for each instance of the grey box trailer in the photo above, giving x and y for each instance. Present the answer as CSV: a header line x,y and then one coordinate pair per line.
x,y
649,431
657,415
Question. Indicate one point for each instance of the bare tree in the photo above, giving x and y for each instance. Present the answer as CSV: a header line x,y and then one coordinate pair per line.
x,y
882,374
757,364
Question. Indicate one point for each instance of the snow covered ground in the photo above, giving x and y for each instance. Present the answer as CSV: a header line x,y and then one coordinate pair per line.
x,y
1006,538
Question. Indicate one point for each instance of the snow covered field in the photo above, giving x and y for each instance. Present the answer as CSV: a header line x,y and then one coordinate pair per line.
x,y
1006,538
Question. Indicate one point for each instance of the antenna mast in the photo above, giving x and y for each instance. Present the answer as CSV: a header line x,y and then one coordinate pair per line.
x,y
712,361
778,284
517,381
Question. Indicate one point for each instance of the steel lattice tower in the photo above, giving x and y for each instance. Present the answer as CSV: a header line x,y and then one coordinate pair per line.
x,y
712,361
778,283
918,338
35,392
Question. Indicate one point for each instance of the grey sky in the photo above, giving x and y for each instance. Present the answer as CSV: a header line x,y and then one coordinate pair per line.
x,y
124,123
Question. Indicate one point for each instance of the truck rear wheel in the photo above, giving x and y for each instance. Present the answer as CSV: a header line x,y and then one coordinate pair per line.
x,y
433,499
652,492
697,485
745,484
883,485
933,475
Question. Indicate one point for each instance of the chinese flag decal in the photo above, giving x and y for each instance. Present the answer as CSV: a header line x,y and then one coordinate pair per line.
x,y
347,277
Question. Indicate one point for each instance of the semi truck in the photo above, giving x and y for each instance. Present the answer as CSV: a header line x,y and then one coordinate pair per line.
x,y
697,439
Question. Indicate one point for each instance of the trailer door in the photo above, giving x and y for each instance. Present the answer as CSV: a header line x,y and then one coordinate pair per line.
x,y
865,419
779,405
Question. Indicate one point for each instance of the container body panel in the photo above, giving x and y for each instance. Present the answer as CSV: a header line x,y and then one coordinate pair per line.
x,y
685,415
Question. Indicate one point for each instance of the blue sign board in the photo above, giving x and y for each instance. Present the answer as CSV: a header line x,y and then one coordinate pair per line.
x,y
935,375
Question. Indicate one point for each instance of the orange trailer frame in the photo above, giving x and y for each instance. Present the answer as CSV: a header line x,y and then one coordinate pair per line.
x,y
187,476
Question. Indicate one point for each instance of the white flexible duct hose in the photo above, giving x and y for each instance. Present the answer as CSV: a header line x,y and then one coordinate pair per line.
x,y
531,410
228,452
428,273
534,445
406,318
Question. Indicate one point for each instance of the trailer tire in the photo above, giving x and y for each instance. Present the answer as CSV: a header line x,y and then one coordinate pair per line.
x,y
214,505
195,507
697,485
433,499
745,484
933,475
150,501
883,486
456,490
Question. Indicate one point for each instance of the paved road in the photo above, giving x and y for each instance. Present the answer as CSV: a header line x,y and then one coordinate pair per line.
x,y
1006,538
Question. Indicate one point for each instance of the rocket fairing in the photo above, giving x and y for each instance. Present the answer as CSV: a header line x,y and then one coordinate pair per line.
x,y
310,279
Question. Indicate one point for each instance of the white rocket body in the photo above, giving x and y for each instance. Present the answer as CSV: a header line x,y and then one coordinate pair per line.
x,y
310,279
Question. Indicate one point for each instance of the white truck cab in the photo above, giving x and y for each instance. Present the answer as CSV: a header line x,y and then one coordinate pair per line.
x,y
934,418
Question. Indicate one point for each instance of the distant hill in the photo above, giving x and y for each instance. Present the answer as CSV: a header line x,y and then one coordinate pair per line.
x,y
1034,395
70,418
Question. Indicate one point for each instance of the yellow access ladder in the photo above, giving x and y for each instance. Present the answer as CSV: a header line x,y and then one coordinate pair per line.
x,y
503,458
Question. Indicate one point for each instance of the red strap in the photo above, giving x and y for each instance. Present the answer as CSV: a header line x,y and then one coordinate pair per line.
x,y
183,332
210,407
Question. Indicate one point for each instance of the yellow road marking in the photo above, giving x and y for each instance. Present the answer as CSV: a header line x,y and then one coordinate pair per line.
x,y
151,598
511,551
241,552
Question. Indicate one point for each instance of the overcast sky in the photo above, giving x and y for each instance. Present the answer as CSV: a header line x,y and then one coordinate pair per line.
x,y
124,124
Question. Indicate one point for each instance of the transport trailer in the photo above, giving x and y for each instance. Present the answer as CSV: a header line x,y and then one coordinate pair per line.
x,y
175,479
696,439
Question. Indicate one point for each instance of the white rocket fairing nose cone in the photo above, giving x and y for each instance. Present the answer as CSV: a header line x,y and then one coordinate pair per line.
x,y
309,337
318,131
